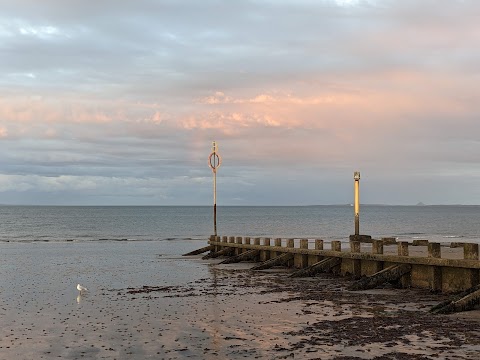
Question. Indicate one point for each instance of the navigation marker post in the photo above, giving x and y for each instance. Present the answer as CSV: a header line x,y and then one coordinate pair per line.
x,y
357,236
356,177
214,161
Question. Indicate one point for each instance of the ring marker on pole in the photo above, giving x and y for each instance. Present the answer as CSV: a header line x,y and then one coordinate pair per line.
x,y
214,161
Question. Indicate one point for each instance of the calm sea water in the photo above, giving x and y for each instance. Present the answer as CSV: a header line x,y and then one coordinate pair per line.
x,y
79,224
46,251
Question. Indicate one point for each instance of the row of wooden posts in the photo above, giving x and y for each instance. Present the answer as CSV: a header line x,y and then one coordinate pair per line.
x,y
370,269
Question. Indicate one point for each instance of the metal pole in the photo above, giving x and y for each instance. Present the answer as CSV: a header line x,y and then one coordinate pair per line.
x,y
214,162
356,177
214,191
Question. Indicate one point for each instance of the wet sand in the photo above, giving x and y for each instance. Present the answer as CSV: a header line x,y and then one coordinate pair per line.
x,y
224,312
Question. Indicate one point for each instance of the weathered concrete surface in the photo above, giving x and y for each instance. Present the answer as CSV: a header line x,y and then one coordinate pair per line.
x,y
389,240
279,260
420,242
455,279
361,238
321,266
200,251
420,276
370,267
246,256
223,252
428,272
351,267
461,263
392,273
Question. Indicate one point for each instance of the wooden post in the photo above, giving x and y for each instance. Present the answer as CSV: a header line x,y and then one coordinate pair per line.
x,y
265,254
301,260
377,247
406,280
470,251
355,246
318,246
402,248
278,243
290,244
238,250
256,241
304,244
434,251
247,240
231,239
336,245
355,264
213,238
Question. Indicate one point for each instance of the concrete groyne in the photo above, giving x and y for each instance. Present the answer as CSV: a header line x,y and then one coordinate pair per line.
x,y
402,263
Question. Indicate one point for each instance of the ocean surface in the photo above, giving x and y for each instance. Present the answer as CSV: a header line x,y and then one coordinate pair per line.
x,y
200,309
111,223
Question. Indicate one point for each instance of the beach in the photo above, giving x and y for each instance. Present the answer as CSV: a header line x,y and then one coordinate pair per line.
x,y
147,301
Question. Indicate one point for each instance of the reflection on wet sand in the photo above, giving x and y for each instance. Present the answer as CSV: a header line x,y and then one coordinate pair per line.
x,y
210,311
215,333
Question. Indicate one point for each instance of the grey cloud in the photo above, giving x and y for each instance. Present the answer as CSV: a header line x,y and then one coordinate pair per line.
x,y
129,60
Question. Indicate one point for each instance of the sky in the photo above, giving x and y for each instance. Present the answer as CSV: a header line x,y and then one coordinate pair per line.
x,y
114,102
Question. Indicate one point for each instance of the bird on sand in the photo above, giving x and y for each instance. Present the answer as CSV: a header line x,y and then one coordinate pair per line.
x,y
81,288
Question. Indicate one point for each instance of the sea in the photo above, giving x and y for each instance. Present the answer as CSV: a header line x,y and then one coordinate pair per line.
x,y
184,223
199,309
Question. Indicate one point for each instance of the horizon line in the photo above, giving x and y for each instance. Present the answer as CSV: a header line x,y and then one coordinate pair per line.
x,y
232,205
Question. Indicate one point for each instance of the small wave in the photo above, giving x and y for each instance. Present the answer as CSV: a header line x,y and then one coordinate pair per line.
x,y
453,236
105,239
183,238
412,233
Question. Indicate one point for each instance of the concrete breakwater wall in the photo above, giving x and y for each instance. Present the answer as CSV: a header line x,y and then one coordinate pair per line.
x,y
430,265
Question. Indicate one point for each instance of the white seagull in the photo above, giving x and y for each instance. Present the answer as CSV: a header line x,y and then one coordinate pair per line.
x,y
81,288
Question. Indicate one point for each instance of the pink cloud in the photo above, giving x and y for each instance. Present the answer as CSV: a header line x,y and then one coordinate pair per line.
x,y
3,132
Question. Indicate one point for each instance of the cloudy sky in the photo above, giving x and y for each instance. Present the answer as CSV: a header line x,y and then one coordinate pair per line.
x,y
117,102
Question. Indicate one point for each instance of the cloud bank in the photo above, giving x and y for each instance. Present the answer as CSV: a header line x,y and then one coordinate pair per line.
x,y
117,103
